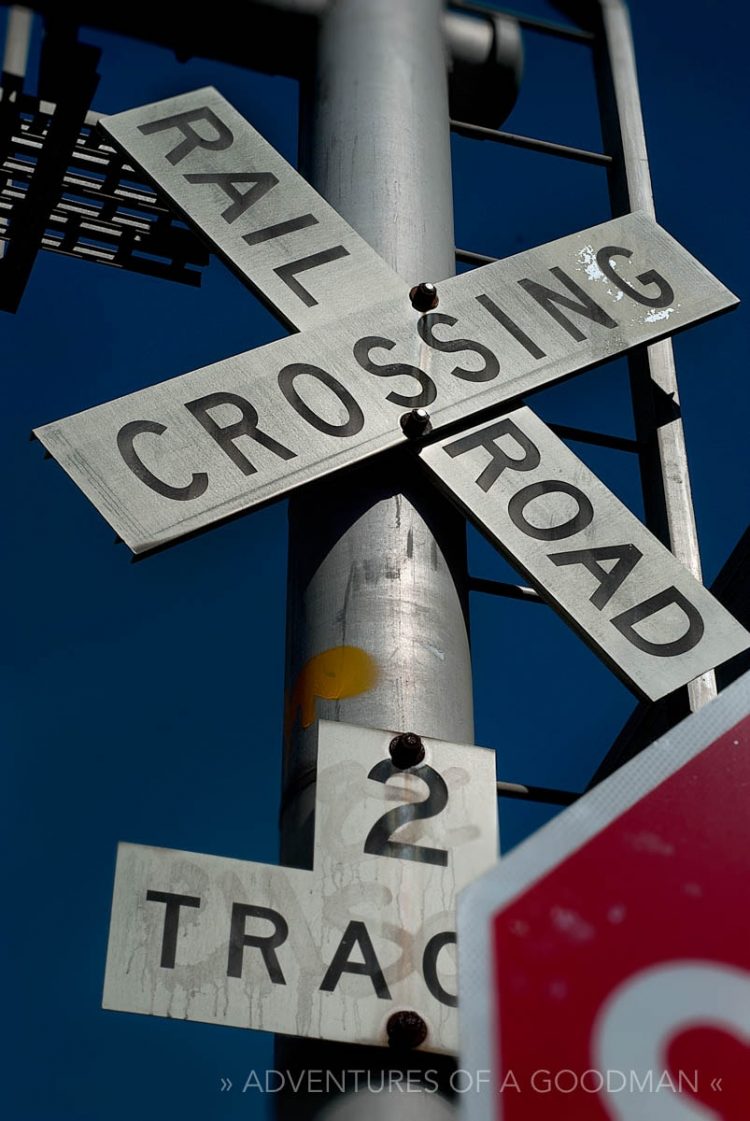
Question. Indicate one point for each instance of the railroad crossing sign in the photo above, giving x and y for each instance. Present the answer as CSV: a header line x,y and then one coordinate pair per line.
x,y
333,953
605,963
367,934
195,450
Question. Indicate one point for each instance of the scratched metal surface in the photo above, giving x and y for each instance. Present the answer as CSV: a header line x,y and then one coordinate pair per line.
x,y
569,587
466,379
350,280
403,903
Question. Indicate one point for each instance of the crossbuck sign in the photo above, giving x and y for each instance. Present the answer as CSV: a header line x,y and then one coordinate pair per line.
x,y
225,941
190,452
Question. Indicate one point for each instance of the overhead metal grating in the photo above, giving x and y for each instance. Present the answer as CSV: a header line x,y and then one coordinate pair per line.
x,y
103,212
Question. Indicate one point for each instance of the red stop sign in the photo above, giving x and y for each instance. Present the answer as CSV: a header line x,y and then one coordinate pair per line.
x,y
605,964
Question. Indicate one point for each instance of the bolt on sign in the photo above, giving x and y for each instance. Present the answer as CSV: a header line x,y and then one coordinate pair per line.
x,y
332,953
595,562
605,963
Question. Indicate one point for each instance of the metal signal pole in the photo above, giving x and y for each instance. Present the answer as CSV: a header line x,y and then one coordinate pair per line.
x,y
377,630
656,403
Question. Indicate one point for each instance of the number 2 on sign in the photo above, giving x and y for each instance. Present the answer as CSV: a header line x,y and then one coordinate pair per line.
x,y
379,841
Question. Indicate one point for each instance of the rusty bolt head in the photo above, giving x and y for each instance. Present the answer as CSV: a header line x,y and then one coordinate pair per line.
x,y
406,750
406,1030
424,297
416,423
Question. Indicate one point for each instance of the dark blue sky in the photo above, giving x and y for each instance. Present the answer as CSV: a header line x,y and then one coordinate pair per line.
x,y
144,702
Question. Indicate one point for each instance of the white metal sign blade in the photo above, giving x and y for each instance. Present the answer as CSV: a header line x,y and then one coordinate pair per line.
x,y
596,563
269,225
328,954
169,460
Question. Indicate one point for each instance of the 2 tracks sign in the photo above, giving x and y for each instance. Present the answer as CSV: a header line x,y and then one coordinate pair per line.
x,y
330,953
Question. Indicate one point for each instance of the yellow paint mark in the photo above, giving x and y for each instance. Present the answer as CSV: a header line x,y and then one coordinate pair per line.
x,y
342,671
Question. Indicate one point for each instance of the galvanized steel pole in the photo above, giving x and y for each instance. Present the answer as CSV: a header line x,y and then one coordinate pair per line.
x,y
377,623
377,561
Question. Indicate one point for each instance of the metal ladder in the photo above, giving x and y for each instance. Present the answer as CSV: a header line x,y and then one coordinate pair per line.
x,y
659,441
